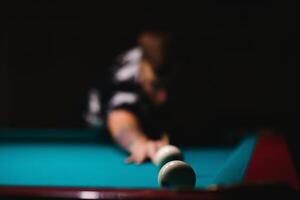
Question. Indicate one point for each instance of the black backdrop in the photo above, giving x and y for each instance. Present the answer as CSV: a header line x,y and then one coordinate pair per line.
x,y
240,61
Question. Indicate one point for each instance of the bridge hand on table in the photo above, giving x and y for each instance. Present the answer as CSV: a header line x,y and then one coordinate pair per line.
x,y
143,150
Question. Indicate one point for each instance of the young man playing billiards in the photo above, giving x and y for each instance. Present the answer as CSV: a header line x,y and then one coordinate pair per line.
x,y
137,112
136,104
138,107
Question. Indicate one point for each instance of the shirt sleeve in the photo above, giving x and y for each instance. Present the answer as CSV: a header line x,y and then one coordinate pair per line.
x,y
92,115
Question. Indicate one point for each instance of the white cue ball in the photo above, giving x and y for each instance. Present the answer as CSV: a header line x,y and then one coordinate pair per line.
x,y
166,154
177,175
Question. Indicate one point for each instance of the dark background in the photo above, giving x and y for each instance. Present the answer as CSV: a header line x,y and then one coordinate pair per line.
x,y
239,72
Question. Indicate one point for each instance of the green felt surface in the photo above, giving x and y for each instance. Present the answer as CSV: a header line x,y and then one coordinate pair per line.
x,y
92,164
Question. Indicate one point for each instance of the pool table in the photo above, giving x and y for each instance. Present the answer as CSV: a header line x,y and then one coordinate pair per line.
x,y
86,164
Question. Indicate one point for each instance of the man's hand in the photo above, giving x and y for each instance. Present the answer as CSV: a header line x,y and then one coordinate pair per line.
x,y
145,149
138,152
124,127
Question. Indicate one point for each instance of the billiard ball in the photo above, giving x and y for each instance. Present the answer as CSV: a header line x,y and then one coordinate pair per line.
x,y
166,154
177,174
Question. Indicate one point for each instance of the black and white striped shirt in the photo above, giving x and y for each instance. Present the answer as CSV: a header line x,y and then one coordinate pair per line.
x,y
126,93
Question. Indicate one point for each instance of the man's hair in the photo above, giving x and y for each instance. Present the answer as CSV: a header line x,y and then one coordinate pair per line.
x,y
159,50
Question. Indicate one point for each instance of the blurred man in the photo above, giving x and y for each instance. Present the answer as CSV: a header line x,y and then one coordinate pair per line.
x,y
137,113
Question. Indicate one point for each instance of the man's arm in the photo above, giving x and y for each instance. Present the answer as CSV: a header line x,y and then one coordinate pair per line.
x,y
125,129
